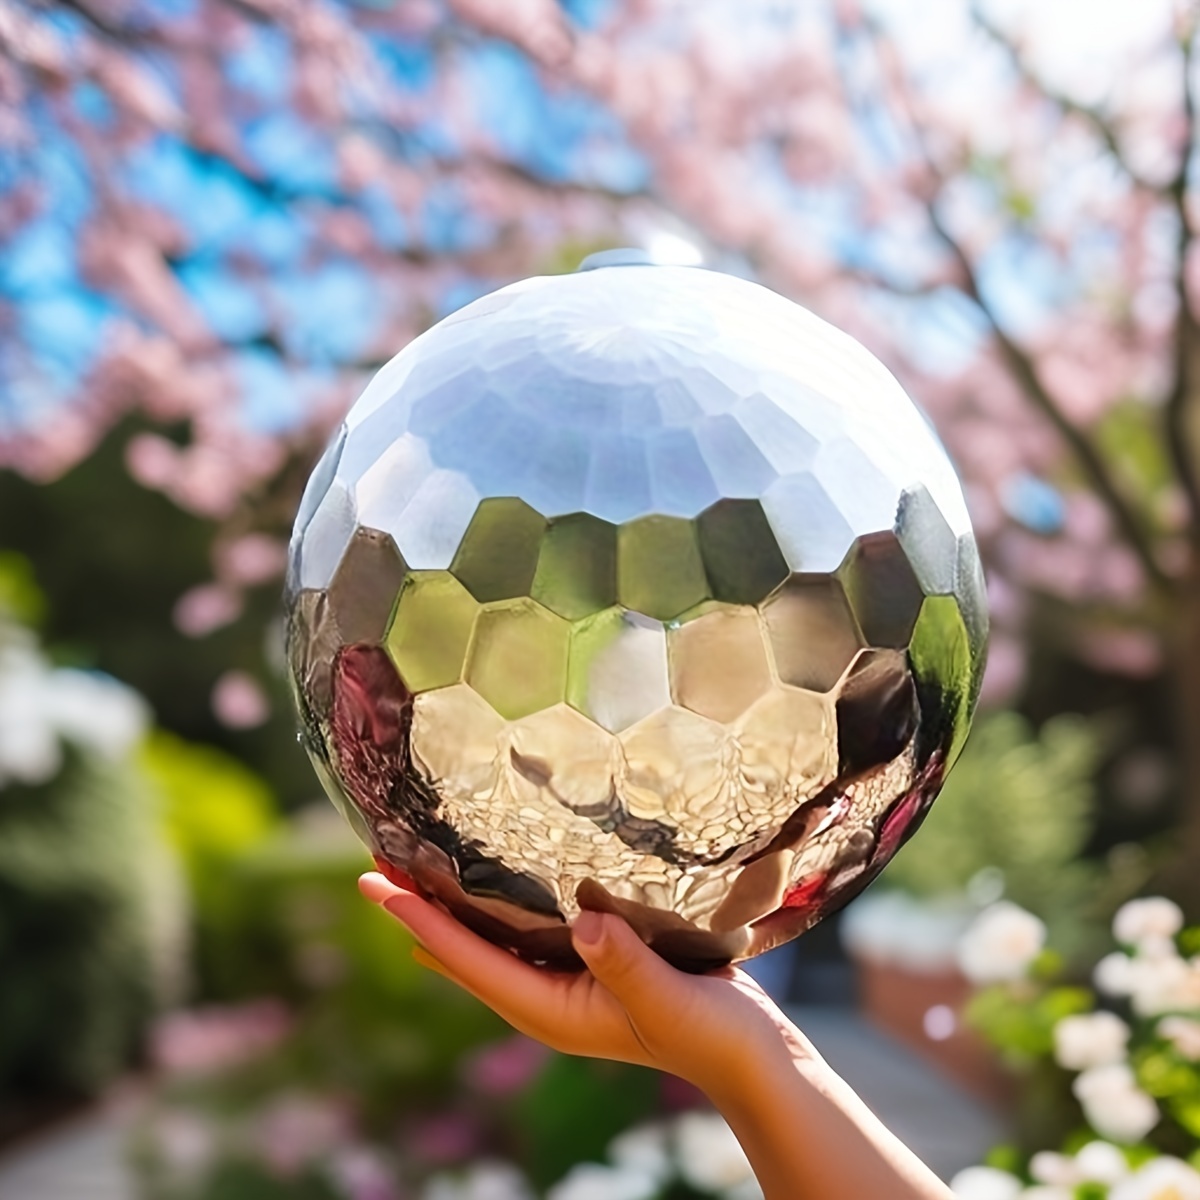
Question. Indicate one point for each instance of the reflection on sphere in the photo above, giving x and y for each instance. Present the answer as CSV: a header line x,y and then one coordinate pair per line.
x,y
639,589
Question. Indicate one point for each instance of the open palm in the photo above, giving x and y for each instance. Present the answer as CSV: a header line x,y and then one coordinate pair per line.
x,y
629,1005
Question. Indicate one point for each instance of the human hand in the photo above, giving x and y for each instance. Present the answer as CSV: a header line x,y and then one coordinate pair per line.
x,y
629,1005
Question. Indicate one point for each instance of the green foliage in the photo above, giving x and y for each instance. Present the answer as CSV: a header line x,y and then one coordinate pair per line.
x,y
1173,1080
373,1030
1130,434
575,1108
1019,802
20,597
373,1023
1004,1157
85,901
1024,1032
114,559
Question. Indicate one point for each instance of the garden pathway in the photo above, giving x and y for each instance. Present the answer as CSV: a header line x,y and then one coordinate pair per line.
x,y
82,1160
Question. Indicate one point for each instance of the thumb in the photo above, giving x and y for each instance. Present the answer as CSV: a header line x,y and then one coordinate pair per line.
x,y
620,960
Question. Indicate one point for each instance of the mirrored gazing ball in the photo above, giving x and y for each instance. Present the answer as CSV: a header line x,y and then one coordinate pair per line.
x,y
640,589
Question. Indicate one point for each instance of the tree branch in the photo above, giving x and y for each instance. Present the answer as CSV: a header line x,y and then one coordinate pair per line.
x,y
1020,363
1087,113
1089,457
1187,331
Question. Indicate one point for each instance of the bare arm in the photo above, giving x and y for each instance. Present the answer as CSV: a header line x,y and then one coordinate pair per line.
x,y
806,1133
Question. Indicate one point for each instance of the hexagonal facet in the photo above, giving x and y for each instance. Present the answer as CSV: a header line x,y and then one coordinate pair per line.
x,y
499,552
677,764
680,609
366,586
883,590
788,742
618,668
741,556
942,668
456,739
320,479
812,631
576,572
326,538
928,541
518,660
313,638
970,588
431,631
718,661
563,755
812,532
659,569
876,710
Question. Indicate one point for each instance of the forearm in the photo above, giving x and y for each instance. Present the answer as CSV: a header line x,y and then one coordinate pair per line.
x,y
808,1136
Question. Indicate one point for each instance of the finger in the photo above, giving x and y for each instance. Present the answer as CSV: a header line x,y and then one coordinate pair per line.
x,y
622,962
520,993
421,955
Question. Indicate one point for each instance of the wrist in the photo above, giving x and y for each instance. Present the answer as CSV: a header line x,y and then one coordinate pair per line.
x,y
779,1057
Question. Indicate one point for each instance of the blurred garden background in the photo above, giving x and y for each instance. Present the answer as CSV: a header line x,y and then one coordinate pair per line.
x,y
219,217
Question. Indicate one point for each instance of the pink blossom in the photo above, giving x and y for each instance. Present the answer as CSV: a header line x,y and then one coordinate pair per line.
x,y
250,560
444,1138
203,1040
502,1068
297,1128
205,608
239,701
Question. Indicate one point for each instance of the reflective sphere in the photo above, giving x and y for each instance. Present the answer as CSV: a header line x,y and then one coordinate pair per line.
x,y
640,589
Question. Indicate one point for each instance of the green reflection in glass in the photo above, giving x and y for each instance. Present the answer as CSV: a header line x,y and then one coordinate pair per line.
x,y
577,567
883,590
742,557
941,660
499,552
659,569
431,630
518,660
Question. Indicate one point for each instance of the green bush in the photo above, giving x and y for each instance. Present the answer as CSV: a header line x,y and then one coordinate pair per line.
x,y
86,897
1017,810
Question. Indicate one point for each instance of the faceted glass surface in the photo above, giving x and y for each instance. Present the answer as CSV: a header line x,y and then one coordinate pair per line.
x,y
640,589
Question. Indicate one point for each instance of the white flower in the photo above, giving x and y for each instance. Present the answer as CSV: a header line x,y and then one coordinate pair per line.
x,y
1159,1179
40,705
1057,1170
96,712
1183,1033
1115,974
593,1181
1163,985
710,1157
1090,1040
644,1148
1045,1192
1100,1162
1141,920
894,927
1156,978
985,1183
488,1179
29,750
1001,944
1113,1103
187,1144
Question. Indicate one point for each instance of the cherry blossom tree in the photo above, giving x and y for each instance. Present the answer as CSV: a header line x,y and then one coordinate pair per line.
x,y
223,214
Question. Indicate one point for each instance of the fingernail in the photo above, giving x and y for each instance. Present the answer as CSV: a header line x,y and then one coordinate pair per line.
x,y
588,927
